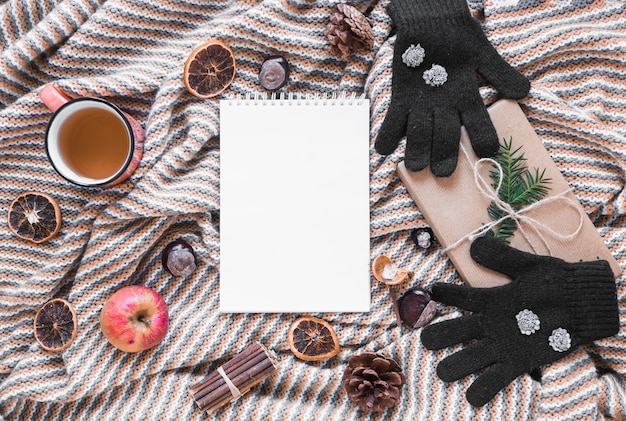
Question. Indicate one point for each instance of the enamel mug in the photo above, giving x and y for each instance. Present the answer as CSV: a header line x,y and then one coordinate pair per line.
x,y
90,141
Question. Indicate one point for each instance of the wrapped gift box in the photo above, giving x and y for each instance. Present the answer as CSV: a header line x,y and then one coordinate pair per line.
x,y
456,208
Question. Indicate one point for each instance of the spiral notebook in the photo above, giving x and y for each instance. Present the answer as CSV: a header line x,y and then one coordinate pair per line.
x,y
294,204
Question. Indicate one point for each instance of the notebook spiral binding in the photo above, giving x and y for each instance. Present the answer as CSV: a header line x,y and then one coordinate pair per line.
x,y
290,98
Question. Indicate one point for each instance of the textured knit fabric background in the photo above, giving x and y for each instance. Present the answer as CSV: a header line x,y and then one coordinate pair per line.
x,y
131,52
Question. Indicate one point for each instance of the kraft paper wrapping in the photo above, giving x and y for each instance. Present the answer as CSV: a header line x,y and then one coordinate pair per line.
x,y
454,207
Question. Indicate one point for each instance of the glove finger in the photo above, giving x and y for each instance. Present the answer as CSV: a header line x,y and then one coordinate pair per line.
x,y
508,81
418,140
450,332
496,255
480,130
467,361
488,384
392,130
472,299
445,143
504,77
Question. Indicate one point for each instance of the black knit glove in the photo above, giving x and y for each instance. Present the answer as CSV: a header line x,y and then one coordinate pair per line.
x,y
438,50
548,310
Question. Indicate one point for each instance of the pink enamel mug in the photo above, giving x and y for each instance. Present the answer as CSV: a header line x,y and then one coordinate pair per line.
x,y
90,141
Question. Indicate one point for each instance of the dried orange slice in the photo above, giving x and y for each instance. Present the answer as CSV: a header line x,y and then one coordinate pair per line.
x,y
56,325
34,216
312,339
209,69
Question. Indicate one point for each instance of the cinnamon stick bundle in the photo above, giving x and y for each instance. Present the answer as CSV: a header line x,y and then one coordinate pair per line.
x,y
234,378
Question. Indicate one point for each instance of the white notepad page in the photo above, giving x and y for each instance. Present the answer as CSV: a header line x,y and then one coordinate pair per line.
x,y
294,205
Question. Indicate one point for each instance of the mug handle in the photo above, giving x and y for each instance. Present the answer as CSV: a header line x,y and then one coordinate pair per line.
x,y
52,97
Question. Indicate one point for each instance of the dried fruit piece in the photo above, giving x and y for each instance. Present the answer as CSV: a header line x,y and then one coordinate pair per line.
x,y
209,69
178,258
274,73
417,307
373,381
55,325
312,339
34,216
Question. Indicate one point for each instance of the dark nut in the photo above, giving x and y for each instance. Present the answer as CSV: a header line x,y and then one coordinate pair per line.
x,y
178,258
417,307
423,237
274,73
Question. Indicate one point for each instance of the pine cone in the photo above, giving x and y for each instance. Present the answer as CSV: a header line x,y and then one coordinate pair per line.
x,y
373,381
348,28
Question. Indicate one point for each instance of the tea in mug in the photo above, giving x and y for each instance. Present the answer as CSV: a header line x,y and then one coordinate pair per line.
x,y
94,142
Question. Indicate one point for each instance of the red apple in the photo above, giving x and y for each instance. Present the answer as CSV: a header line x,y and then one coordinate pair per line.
x,y
134,318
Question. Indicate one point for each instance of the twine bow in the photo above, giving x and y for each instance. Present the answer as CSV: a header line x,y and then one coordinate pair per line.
x,y
518,215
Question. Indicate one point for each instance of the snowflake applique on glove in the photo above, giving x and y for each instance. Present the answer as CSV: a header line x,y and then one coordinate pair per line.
x,y
439,50
548,310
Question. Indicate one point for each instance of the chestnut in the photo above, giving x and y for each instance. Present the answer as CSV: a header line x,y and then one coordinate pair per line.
x,y
417,307
178,258
274,73
423,237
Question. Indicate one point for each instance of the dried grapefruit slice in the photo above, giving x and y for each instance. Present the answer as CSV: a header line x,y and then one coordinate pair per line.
x,y
55,325
312,339
34,216
209,69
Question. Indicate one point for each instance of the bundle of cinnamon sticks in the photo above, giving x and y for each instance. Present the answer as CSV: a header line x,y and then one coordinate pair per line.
x,y
234,378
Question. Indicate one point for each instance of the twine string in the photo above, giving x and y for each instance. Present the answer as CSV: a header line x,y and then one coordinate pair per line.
x,y
231,386
519,216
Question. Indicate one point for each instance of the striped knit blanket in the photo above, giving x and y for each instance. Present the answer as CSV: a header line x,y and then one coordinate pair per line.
x,y
131,52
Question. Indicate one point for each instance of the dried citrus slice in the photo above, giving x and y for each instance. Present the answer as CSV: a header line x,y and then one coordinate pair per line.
x,y
312,339
56,325
209,69
34,216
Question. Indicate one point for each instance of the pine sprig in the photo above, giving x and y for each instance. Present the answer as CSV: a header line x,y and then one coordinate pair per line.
x,y
520,187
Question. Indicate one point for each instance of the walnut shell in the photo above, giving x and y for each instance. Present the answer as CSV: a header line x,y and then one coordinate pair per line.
x,y
378,269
